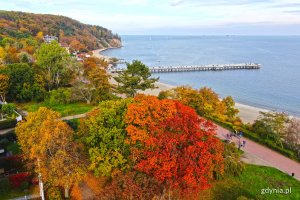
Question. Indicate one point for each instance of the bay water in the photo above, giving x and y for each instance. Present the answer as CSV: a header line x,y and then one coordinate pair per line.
x,y
276,86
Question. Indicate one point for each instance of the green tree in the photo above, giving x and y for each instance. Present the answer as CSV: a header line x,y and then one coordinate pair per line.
x,y
53,60
103,132
135,77
21,79
271,125
232,157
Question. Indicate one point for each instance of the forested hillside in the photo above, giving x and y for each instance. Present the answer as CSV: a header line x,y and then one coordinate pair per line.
x,y
79,36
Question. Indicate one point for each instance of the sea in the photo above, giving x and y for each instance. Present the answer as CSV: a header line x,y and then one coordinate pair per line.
x,y
276,86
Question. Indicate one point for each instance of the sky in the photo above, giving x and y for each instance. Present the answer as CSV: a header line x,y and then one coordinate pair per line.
x,y
175,17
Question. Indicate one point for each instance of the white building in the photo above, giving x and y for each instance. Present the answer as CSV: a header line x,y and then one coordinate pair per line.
x,y
50,38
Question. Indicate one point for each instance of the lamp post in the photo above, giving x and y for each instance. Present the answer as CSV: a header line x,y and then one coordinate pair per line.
x,y
41,185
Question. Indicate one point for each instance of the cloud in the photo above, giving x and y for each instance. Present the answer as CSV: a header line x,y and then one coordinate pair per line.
x,y
286,5
144,16
293,11
176,2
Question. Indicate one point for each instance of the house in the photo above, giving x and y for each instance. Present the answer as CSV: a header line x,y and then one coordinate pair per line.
x,y
65,46
49,38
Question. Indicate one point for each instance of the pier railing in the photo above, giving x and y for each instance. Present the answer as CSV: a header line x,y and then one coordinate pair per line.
x,y
217,67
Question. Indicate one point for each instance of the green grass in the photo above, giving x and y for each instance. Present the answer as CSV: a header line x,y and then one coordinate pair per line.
x,y
63,109
14,148
251,183
14,193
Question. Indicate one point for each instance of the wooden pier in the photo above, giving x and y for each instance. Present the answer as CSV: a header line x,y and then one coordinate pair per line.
x,y
217,67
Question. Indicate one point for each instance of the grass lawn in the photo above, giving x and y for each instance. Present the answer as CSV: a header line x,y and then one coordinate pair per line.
x,y
14,194
63,109
250,184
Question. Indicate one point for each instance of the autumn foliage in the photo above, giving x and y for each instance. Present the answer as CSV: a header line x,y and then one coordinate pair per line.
x,y
172,144
17,179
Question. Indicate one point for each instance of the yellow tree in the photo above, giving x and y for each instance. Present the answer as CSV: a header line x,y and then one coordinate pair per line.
x,y
47,145
39,36
2,55
4,85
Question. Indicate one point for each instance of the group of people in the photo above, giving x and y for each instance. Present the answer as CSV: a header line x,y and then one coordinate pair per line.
x,y
237,134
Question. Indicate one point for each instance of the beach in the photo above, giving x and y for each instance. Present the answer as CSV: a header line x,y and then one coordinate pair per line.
x,y
97,53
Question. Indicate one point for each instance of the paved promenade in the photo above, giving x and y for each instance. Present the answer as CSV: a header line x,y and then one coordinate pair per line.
x,y
261,155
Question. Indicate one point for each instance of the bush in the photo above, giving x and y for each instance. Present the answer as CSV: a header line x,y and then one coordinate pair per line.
x,y
9,123
60,96
16,180
8,109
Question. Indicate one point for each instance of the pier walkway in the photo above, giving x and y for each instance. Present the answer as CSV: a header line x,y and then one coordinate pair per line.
x,y
217,67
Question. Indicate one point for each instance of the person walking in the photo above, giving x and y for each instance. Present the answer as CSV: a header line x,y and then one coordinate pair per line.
x,y
244,143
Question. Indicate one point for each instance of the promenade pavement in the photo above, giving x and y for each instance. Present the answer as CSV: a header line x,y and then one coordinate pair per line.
x,y
258,154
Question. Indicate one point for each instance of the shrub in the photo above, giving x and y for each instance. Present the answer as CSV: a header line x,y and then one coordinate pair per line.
x,y
16,180
60,96
8,109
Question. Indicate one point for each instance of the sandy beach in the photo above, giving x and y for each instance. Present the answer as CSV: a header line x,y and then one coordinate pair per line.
x,y
97,53
247,113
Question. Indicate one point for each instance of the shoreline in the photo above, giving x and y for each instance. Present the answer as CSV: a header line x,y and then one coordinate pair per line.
x,y
97,53
247,113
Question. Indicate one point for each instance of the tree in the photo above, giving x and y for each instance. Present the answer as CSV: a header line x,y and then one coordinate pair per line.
x,y
292,135
2,55
21,81
53,60
4,85
233,166
92,83
135,77
103,132
47,145
205,101
271,125
39,36
231,111
132,185
172,144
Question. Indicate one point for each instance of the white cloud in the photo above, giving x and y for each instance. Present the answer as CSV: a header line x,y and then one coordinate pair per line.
x,y
137,15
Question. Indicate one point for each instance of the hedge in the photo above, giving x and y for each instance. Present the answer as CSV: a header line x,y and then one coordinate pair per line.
x,y
9,123
253,136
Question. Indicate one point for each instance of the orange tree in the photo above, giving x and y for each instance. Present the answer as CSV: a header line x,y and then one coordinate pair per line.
x,y
171,143
47,144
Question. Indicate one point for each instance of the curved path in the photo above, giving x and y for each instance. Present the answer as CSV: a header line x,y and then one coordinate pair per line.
x,y
258,154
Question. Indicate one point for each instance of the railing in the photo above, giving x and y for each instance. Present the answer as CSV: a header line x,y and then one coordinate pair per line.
x,y
217,67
